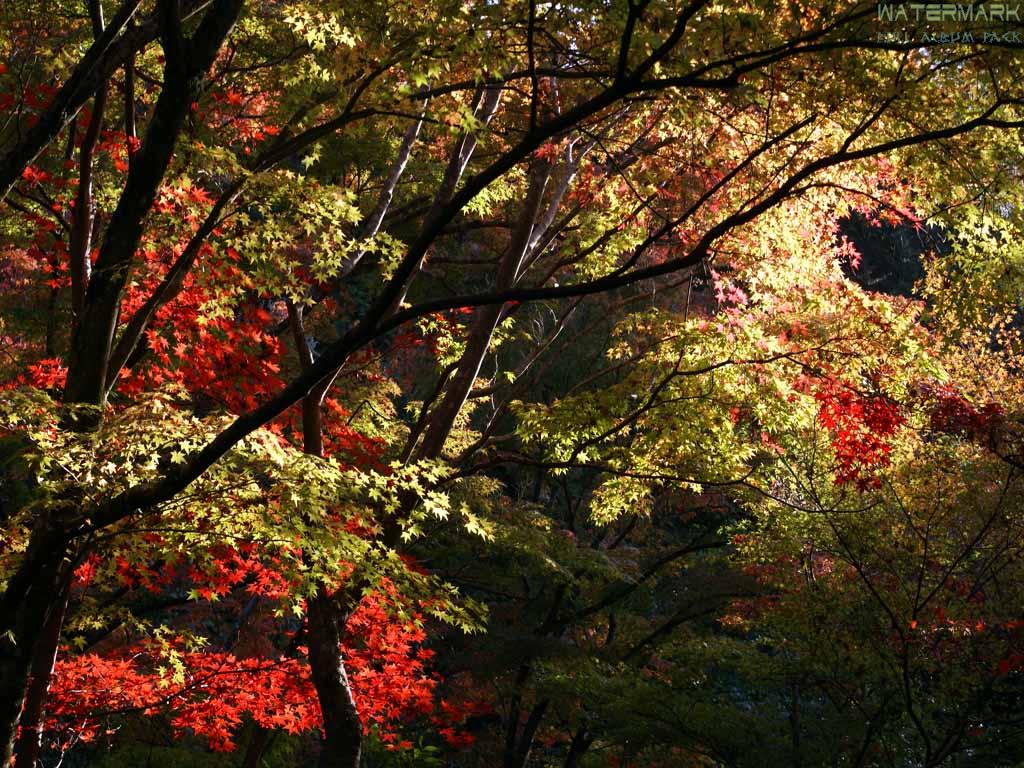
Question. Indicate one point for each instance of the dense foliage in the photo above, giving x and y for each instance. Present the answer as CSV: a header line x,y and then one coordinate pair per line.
x,y
622,383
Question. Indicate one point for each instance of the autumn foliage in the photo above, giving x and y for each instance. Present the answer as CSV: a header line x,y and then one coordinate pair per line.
x,y
519,384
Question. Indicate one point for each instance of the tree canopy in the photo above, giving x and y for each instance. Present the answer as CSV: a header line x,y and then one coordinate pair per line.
x,y
478,383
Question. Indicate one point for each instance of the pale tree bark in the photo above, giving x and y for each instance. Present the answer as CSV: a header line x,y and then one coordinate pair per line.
x,y
371,225
485,320
486,107
83,217
536,216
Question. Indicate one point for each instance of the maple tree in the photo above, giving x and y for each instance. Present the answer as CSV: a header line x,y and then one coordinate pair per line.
x,y
503,383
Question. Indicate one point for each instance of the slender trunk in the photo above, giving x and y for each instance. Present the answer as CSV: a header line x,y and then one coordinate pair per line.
x,y
82,219
519,752
28,745
258,745
27,605
581,742
342,742
485,320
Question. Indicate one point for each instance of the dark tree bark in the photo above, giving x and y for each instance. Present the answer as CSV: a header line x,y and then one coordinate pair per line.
x,y
520,743
185,67
30,601
259,743
28,745
31,598
581,741
342,742
108,52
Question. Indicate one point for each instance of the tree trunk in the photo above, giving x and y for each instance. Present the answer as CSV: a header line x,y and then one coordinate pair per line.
x,y
27,606
29,742
342,742
517,752
485,320
581,742
258,745
185,67
82,218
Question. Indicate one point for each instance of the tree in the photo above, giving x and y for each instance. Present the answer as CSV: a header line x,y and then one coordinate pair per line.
x,y
392,185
